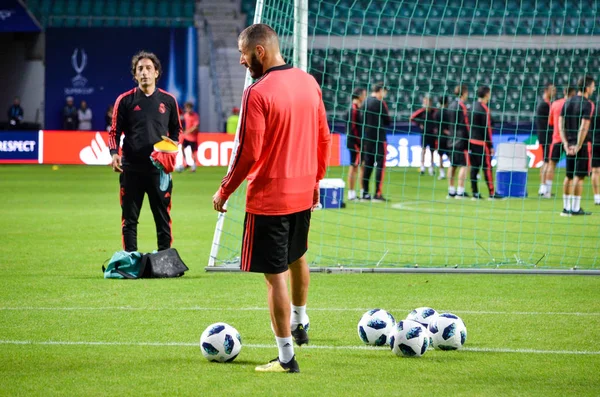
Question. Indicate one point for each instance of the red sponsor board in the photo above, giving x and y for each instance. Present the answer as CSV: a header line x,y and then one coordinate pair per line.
x,y
91,147
76,147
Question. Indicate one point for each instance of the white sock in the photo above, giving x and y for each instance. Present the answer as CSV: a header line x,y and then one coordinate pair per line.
x,y
351,194
576,203
542,189
451,190
548,186
567,202
442,173
422,168
286,349
298,315
362,191
596,198
460,190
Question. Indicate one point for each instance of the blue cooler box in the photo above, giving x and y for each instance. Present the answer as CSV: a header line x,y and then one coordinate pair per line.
x,y
332,193
511,183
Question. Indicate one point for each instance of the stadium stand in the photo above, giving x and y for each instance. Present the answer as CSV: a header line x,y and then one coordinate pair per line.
x,y
452,17
515,75
113,13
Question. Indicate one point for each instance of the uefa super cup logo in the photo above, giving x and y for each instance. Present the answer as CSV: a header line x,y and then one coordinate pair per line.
x,y
79,66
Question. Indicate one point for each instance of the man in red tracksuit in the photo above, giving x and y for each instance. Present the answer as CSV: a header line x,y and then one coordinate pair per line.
x,y
283,152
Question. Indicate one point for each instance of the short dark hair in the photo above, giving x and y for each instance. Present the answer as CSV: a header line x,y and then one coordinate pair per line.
x,y
378,87
444,100
584,82
188,104
568,90
146,55
460,89
547,86
483,91
358,91
259,33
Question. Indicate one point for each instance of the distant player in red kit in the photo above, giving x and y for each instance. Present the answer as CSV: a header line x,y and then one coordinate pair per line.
x,y
189,138
143,114
284,145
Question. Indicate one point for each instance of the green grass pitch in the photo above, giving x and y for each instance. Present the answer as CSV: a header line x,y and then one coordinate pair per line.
x,y
64,330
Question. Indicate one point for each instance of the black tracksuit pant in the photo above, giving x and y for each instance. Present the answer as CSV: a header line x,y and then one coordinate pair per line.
x,y
374,153
134,185
480,157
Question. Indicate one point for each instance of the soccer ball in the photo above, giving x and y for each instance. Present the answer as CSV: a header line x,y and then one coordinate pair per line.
x,y
220,342
409,339
448,332
375,326
422,315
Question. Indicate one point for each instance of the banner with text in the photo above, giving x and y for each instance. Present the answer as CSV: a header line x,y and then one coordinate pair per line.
x,y
19,147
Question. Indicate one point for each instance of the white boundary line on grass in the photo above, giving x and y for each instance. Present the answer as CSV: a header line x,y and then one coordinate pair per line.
x,y
246,309
262,346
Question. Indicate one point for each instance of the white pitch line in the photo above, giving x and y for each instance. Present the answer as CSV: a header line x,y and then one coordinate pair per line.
x,y
310,347
245,309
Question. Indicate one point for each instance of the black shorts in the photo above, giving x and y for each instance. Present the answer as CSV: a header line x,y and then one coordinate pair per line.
x,y
272,242
429,140
460,158
192,144
578,165
595,156
556,151
354,149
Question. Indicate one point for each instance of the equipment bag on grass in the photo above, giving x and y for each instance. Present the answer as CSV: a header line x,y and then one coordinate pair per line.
x,y
125,264
133,265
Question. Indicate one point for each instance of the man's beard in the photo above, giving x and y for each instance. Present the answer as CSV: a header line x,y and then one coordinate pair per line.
x,y
256,68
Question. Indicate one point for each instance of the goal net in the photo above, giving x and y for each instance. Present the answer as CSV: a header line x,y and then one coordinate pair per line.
x,y
423,49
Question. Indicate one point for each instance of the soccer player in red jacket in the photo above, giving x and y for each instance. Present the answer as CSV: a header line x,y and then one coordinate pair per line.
x,y
283,152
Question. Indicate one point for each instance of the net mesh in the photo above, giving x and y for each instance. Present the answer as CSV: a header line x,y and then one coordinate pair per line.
x,y
426,48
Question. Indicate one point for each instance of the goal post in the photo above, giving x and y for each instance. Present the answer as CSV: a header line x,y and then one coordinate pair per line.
x,y
421,49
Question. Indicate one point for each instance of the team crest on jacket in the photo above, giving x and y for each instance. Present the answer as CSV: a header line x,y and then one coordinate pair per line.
x,y
161,108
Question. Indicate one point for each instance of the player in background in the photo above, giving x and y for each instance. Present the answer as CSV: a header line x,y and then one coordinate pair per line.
x,y
556,147
544,132
376,119
595,135
480,143
459,143
283,152
574,123
354,130
443,133
144,114
425,118
189,138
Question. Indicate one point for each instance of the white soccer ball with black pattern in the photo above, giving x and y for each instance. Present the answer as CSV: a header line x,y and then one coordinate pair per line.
x,y
220,342
375,326
409,339
448,332
422,315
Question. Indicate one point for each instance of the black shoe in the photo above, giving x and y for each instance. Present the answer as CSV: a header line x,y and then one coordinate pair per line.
x,y
277,366
300,335
380,198
580,212
596,203
565,213
451,195
477,196
497,196
366,197
461,195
